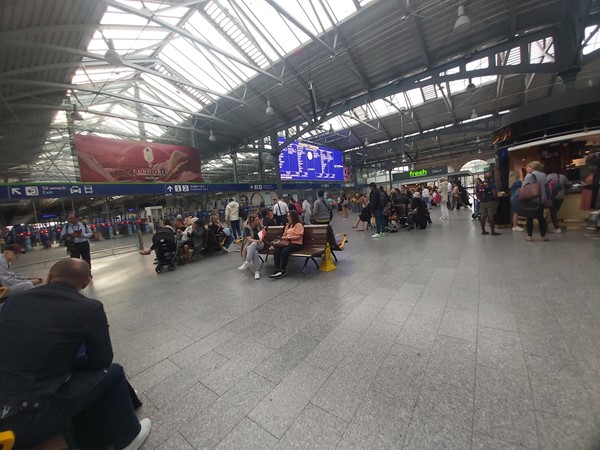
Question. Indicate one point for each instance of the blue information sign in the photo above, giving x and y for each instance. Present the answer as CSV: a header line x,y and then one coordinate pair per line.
x,y
307,162
56,190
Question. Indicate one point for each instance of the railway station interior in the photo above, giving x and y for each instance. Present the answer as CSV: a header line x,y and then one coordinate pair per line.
x,y
130,112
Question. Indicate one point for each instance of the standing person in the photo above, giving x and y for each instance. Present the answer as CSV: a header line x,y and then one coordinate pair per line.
x,y
376,209
487,194
280,210
232,215
556,184
515,184
15,283
77,235
344,201
425,196
322,209
49,379
293,234
252,245
444,186
535,209
306,212
362,201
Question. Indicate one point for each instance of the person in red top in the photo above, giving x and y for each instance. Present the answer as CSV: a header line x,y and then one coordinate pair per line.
x,y
293,233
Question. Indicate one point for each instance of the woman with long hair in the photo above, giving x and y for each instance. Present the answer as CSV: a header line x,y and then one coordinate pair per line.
x,y
252,245
515,184
344,201
292,236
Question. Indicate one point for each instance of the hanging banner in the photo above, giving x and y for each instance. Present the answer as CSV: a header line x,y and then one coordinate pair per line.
x,y
119,160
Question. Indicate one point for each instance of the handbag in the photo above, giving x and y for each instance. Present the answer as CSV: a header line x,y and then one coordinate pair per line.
x,y
280,243
530,191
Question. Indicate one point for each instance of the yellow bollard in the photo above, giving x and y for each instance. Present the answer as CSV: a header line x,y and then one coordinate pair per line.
x,y
7,440
327,261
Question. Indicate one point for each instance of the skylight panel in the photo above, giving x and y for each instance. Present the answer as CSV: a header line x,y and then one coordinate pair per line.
x,y
591,40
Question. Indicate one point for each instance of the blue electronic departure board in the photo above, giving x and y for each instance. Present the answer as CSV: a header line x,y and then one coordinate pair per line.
x,y
304,161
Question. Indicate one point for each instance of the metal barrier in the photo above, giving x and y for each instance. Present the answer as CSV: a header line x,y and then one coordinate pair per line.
x,y
95,254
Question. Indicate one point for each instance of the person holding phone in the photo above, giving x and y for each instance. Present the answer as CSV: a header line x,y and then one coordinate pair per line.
x,y
252,245
15,283
77,235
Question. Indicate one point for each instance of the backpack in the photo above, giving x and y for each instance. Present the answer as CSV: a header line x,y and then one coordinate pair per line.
x,y
298,207
553,187
243,213
383,199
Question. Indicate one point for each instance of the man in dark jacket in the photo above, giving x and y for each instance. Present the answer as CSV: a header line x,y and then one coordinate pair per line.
x,y
376,209
55,366
418,210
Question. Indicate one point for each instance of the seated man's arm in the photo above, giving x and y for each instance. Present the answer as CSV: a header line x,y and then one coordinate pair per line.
x,y
97,339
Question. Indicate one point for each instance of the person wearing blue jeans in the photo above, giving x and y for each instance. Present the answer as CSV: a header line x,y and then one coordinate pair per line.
x,y
376,209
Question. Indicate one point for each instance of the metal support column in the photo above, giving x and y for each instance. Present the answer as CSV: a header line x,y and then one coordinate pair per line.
x,y
276,150
233,156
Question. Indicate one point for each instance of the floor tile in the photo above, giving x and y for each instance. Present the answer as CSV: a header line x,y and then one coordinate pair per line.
x,y
453,361
247,435
315,429
419,331
500,349
504,407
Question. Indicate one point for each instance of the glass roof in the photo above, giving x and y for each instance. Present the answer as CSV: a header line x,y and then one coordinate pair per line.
x,y
176,61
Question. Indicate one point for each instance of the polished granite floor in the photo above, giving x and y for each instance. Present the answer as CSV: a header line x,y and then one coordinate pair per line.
x,y
440,338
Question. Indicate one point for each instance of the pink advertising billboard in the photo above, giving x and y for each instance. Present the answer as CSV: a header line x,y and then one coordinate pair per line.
x,y
119,160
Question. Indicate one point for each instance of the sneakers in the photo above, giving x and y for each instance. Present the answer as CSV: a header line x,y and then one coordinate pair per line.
x,y
377,235
518,228
244,265
226,250
557,230
257,275
277,274
142,435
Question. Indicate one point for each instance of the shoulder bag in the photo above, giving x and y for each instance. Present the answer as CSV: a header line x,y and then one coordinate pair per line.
x,y
531,191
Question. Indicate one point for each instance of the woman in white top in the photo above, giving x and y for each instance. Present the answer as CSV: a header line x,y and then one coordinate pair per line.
x,y
444,194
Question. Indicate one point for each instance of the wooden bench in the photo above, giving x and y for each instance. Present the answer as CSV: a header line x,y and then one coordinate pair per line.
x,y
314,243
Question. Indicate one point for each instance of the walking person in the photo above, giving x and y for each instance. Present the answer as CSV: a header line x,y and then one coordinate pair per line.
x,y
344,203
444,187
77,236
232,216
555,185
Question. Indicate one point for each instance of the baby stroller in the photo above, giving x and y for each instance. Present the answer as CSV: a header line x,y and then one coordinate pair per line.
x,y
165,246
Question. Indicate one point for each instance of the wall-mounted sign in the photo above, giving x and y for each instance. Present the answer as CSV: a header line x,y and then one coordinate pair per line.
x,y
420,173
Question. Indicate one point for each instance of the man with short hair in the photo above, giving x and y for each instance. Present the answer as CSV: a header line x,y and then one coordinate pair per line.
x,y
78,235
487,194
376,210
322,212
232,215
280,210
15,283
56,367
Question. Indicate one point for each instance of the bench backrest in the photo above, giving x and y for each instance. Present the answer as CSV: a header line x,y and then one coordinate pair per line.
x,y
315,235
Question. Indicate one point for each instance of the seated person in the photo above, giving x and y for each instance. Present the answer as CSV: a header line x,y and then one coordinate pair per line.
x,y
252,245
44,386
183,229
364,216
393,215
15,283
217,229
198,235
292,233
418,209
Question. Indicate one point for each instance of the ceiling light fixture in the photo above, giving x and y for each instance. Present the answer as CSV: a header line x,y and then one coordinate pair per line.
x,y
270,111
474,114
366,141
330,128
463,23
111,56
212,137
471,86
